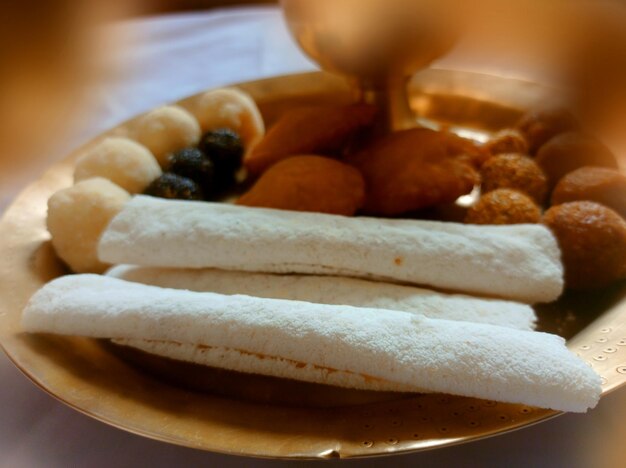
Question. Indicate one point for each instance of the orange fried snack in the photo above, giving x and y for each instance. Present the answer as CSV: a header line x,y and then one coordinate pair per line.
x,y
597,184
308,183
309,130
410,170
465,150
570,151
514,171
592,239
539,126
503,206
506,141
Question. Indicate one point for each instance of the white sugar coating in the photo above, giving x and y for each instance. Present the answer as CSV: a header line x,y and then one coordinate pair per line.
x,y
520,262
122,161
166,130
233,109
76,218
335,290
403,350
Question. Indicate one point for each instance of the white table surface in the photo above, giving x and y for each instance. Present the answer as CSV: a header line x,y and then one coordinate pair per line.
x,y
166,58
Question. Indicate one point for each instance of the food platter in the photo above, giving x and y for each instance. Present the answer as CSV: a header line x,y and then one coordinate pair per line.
x,y
275,418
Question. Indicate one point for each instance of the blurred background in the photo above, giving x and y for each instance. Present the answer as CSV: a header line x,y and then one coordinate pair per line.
x,y
61,61
162,6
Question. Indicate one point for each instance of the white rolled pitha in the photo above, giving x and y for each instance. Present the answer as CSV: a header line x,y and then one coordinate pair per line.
x,y
335,290
520,262
339,345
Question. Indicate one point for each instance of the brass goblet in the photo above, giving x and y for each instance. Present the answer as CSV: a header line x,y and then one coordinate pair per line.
x,y
377,44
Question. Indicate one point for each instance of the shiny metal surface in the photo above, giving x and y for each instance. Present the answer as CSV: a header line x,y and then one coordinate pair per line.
x,y
275,421
377,44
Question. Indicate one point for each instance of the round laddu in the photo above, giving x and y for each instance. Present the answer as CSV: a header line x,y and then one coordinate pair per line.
x,y
507,141
78,215
233,109
503,206
122,161
597,184
592,239
517,172
570,151
166,130
539,126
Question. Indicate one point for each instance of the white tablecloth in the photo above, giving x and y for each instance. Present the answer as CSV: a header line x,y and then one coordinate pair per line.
x,y
167,58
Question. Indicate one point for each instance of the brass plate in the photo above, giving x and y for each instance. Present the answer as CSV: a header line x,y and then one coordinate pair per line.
x,y
92,378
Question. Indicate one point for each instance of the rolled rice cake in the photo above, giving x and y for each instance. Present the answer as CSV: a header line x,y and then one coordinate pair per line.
x,y
520,262
339,345
335,290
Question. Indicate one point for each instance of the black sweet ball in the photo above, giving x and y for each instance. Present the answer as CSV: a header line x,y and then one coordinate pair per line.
x,y
195,165
174,186
225,148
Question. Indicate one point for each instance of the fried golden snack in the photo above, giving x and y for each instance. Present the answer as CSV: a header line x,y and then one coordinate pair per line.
x,y
504,206
308,183
592,239
309,130
411,170
514,171
539,126
597,184
570,151
507,141
464,149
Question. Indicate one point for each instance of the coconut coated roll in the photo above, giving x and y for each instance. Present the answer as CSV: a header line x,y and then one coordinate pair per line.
x,y
401,350
520,262
336,290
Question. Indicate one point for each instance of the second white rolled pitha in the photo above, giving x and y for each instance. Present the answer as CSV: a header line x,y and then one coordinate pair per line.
x,y
367,348
336,290
520,262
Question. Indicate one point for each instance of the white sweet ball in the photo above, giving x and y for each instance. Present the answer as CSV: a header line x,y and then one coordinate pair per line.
x,y
166,130
122,161
233,109
77,217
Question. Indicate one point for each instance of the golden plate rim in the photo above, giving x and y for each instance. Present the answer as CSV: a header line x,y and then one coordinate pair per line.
x,y
22,274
